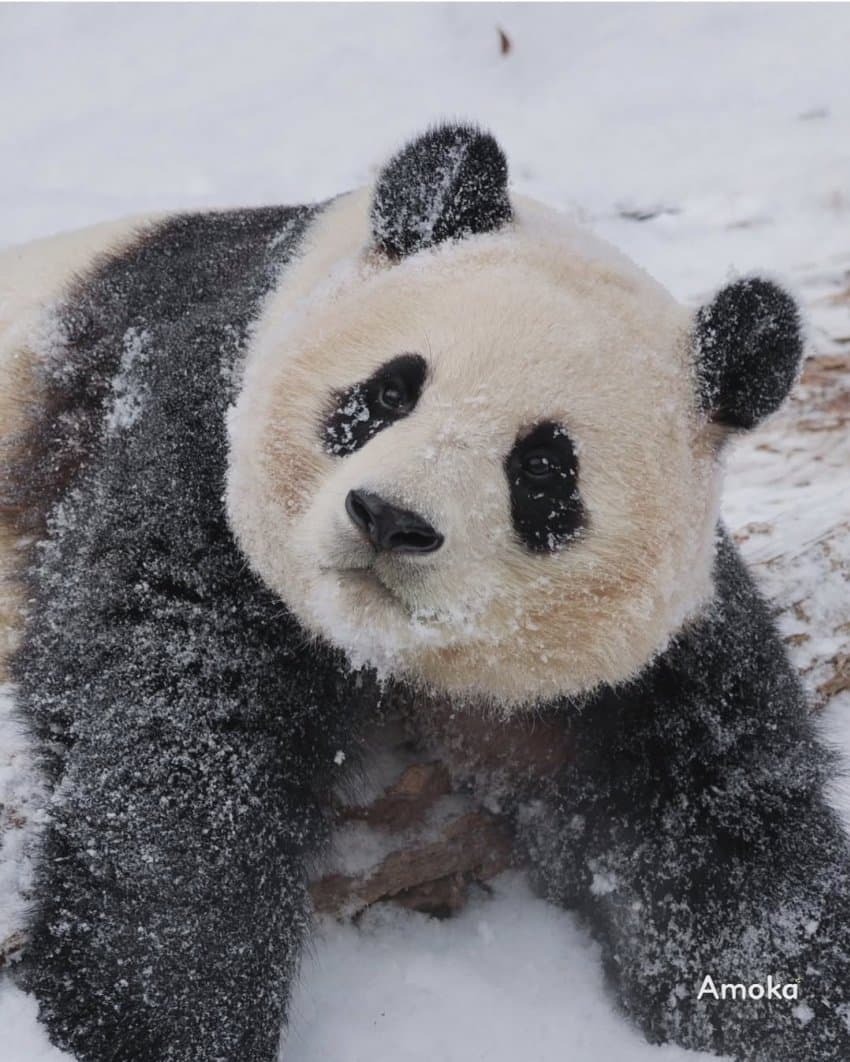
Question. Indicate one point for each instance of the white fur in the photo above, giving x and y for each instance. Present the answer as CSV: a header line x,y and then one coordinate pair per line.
x,y
537,322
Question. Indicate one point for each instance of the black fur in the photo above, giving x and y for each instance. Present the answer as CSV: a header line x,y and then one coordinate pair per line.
x,y
360,412
542,472
749,346
692,831
447,184
187,724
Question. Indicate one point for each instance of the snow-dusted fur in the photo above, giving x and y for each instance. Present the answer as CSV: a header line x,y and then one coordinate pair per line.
x,y
193,665
183,754
692,831
30,277
534,322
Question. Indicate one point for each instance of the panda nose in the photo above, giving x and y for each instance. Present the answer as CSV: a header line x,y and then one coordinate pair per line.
x,y
389,528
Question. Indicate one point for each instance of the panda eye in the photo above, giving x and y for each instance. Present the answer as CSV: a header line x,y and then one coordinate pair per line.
x,y
542,472
540,465
357,414
393,396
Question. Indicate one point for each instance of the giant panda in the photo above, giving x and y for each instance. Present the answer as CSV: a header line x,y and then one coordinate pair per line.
x,y
265,470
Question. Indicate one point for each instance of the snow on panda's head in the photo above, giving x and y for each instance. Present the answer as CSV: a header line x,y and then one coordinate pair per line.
x,y
474,447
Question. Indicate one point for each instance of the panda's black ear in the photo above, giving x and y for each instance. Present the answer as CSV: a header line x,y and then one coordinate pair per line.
x,y
449,183
749,345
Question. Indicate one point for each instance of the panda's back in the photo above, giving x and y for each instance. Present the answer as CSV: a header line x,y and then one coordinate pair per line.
x,y
32,275
91,322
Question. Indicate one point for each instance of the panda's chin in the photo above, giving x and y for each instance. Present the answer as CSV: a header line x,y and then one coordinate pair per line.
x,y
359,613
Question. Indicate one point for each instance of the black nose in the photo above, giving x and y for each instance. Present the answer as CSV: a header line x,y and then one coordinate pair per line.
x,y
390,528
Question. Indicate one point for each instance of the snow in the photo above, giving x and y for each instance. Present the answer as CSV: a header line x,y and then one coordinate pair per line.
x,y
23,1039
126,400
726,127
510,977
21,796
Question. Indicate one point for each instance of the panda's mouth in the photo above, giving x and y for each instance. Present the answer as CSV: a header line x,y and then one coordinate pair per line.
x,y
355,609
373,598
368,580
362,590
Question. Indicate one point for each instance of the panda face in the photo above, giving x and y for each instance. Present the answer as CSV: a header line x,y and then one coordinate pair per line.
x,y
481,467
541,468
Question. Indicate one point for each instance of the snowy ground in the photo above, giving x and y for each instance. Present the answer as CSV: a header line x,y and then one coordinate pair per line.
x,y
729,124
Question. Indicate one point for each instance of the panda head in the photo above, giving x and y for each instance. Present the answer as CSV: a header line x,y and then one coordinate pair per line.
x,y
477,449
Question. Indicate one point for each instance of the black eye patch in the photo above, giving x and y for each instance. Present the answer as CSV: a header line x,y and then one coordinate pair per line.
x,y
542,472
357,414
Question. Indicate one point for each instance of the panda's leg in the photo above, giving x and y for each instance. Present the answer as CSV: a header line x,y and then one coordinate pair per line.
x,y
693,833
682,912
172,919
172,888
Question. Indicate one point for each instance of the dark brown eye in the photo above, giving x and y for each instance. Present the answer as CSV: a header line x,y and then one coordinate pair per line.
x,y
393,396
540,465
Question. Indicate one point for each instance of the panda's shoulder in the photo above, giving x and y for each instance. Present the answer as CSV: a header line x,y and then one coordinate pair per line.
x,y
35,273
32,277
